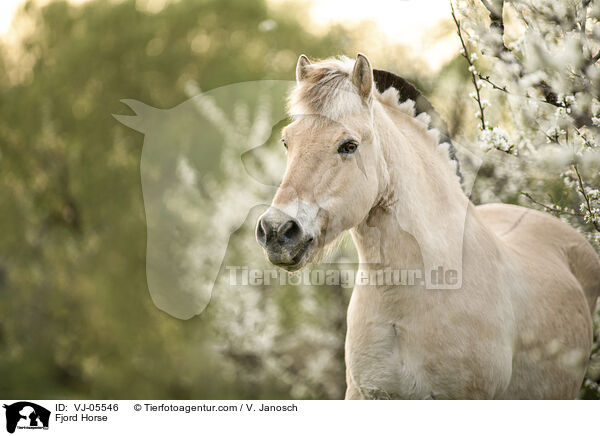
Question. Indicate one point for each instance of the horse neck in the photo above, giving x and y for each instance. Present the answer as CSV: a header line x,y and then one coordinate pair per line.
x,y
420,217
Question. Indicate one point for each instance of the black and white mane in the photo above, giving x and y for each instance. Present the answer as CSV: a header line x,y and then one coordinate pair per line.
x,y
407,91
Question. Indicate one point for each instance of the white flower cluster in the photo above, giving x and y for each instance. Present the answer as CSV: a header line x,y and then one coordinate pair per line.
x,y
496,138
592,211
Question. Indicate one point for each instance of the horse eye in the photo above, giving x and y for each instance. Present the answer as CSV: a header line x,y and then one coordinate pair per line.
x,y
284,143
348,147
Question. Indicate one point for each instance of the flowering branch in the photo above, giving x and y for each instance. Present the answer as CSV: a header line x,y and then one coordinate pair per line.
x,y
472,69
593,214
554,208
488,80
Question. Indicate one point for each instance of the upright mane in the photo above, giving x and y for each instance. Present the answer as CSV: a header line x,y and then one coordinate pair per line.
x,y
327,89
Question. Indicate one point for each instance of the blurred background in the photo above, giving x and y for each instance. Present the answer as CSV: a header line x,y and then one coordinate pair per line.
x,y
76,318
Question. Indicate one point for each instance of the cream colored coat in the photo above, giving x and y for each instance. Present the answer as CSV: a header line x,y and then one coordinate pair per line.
x,y
518,326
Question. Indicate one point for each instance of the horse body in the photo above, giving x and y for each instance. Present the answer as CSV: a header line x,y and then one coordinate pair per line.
x,y
517,325
520,326
560,276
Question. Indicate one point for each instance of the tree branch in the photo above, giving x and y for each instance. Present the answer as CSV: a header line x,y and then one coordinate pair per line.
x,y
472,69
550,208
488,80
588,204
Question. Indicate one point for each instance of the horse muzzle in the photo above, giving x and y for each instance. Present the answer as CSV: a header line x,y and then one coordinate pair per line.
x,y
285,242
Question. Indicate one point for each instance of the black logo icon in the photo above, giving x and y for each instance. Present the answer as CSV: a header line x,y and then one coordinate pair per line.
x,y
24,414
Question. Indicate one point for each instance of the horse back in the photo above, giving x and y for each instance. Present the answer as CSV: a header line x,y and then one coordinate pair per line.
x,y
541,237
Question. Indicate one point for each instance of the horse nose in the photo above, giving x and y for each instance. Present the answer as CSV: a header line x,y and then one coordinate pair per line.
x,y
289,230
276,226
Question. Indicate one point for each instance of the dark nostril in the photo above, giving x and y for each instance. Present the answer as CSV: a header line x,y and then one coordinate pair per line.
x,y
261,234
289,230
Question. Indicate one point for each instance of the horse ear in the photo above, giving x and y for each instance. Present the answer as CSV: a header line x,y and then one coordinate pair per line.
x,y
362,76
303,62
